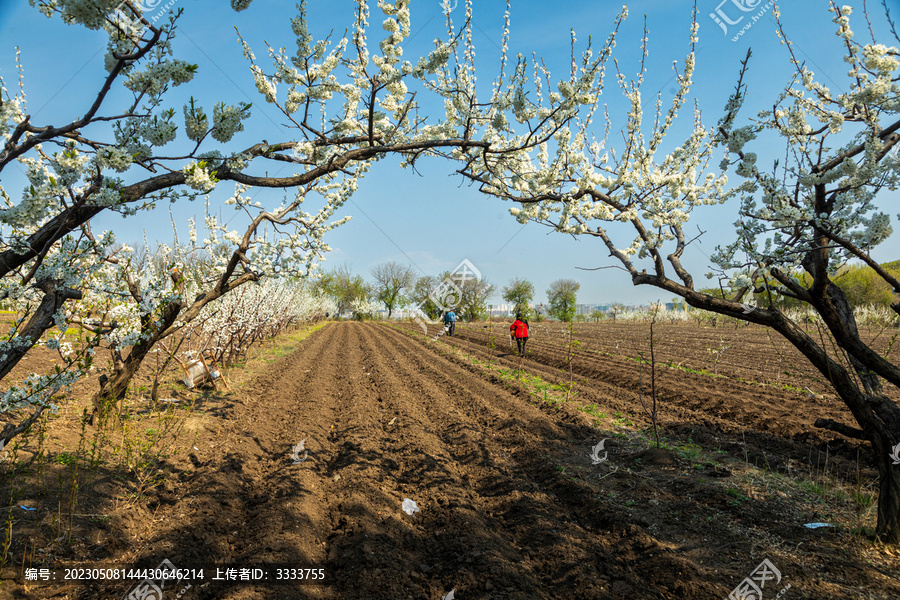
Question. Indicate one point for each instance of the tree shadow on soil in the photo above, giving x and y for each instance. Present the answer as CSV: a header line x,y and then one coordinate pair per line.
x,y
644,524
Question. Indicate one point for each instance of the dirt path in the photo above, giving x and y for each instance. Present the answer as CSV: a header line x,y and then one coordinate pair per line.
x,y
385,417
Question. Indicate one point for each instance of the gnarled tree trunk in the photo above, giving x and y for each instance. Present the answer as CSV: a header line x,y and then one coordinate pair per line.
x,y
113,389
858,385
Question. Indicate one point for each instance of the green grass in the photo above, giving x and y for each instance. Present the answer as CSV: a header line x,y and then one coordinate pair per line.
x,y
689,451
863,500
813,487
737,495
67,458
593,410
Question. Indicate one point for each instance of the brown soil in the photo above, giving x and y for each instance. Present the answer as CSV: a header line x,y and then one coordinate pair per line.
x,y
511,505
759,386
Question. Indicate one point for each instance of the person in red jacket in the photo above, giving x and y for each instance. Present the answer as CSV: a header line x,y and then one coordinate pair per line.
x,y
519,330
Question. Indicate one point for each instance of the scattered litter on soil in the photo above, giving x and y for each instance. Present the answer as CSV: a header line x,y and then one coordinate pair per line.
x,y
409,506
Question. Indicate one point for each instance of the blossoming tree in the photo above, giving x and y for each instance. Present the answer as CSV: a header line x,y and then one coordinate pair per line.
x,y
811,212
346,104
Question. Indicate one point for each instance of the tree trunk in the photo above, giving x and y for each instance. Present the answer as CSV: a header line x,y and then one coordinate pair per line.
x,y
857,386
112,391
55,295
879,420
888,495
877,415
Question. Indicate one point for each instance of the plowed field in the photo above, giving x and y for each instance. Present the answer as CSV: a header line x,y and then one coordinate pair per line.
x,y
754,381
511,505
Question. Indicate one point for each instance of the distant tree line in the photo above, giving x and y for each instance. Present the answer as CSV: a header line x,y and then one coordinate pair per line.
x,y
394,286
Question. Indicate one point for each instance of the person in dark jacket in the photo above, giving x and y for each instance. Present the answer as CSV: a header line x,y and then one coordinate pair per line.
x,y
519,330
450,322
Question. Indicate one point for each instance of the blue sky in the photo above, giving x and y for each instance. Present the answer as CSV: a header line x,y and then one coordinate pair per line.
x,y
433,219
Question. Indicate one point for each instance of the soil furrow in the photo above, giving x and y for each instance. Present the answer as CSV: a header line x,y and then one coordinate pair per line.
x,y
720,404
565,518
511,506
764,430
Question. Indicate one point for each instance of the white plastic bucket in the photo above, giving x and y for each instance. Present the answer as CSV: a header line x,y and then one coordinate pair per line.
x,y
197,373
